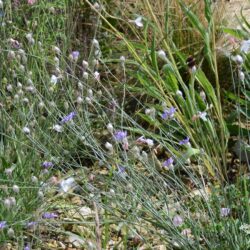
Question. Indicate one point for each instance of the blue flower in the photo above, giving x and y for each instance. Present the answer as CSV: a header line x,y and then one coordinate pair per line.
x,y
3,224
48,215
168,163
74,55
47,164
68,117
120,135
225,211
168,113
184,141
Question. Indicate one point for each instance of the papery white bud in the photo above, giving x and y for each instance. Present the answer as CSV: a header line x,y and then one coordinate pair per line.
x,y
122,59
162,55
7,203
90,93
41,105
99,93
29,36
96,6
25,100
150,143
238,59
95,62
8,171
80,86
66,105
53,79
30,89
11,55
29,82
56,50
85,64
178,92
88,100
57,61
110,128
109,147
138,22
16,97
58,128
85,75
97,75
22,68
144,156
12,201
203,95
16,189
20,92
34,179
19,85
136,152
11,233
21,52
241,76
79,100
40,194
26,130
9,87
95,43
1,4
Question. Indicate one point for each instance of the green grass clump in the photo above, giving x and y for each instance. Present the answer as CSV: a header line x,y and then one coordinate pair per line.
x,y
126,138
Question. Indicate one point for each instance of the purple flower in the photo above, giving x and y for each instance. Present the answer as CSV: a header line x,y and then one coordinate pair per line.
x,y
224,211
121,169
184,141
48,215
177,220
74,55
68,117
47,164
168,163
31,224
27,247
120,135
168,113
3,224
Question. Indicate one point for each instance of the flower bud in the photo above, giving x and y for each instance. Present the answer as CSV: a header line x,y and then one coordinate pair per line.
x,y
7,203
11,233
16,189
110,128
34,179
109,147
26,130
79,100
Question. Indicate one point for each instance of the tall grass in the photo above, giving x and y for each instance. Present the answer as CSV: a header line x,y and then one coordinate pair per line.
x,y
86,120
